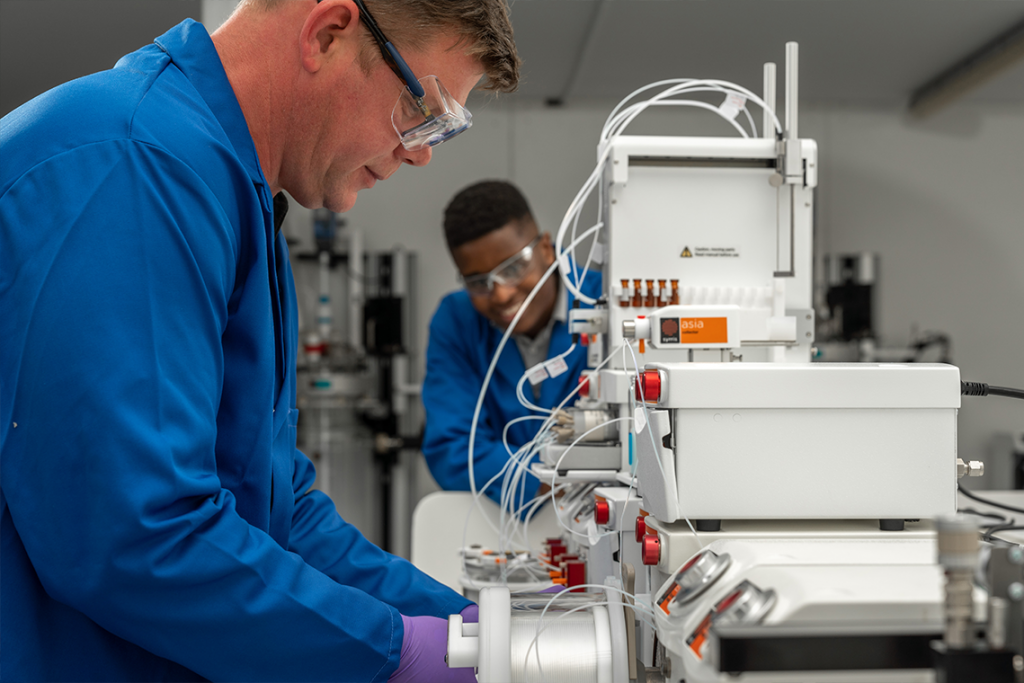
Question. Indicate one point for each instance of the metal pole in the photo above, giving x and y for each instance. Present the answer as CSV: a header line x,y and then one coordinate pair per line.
x,y
767,123
355,291
792,90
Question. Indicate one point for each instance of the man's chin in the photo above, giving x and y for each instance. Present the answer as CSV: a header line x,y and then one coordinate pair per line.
x,y
342,204
504,324
340,198
499,322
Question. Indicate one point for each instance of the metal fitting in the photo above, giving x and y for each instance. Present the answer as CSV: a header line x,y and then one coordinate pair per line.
x,y
998,611
957,541
973,468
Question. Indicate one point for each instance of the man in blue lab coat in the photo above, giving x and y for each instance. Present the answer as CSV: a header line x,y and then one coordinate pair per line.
x,y
156,519
501,256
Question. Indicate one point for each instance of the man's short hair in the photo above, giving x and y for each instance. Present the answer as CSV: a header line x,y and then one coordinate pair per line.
x,y
483,26
483,208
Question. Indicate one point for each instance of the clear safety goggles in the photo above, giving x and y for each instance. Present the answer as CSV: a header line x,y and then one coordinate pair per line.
x,y
426,114
509,272
430,119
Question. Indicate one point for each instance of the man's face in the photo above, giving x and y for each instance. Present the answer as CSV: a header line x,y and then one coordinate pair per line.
x,y
484,254
350,143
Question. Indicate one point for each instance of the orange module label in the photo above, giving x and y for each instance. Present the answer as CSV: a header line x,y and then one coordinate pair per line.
x,y
694,330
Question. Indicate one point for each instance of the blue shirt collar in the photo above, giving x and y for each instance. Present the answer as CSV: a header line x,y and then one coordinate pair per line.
x,y
192,51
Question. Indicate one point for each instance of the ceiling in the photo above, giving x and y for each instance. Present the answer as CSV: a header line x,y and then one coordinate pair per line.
x,y
873,52
851,51
44,43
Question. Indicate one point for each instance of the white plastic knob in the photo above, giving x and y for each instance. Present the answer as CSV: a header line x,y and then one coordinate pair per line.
x,y
643,328
463,647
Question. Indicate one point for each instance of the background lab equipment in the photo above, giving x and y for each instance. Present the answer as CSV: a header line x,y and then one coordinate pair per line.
x,y
354,390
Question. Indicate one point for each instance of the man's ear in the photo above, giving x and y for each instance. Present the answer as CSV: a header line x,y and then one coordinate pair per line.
x,y
331,31
547,248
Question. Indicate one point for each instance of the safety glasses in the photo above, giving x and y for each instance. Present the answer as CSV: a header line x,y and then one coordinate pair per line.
x,y
509,272
425,114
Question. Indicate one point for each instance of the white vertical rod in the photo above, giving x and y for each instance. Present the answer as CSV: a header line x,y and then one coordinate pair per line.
x,y
400,362
355,292
399,276
792,89
767,124
323,316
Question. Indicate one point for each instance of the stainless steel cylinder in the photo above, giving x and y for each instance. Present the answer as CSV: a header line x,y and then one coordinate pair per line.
x,y
958,555
998,611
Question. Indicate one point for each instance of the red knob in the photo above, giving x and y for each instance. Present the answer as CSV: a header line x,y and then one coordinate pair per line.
x,y
584,385
602,512
575,574
648,386
650,551
641,528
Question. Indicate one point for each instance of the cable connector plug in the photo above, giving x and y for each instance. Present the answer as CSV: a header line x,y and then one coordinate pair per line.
x,y
981,389
973,388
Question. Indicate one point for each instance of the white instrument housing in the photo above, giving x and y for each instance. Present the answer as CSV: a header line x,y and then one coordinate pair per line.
x,y
800,441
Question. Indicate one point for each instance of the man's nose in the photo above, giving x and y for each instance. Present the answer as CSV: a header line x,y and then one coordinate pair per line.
x,y
418,157
501,294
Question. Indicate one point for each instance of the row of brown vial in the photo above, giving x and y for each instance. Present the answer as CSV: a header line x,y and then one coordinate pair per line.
x,y
646,297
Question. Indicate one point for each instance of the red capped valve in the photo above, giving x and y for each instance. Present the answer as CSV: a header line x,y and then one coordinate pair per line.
x,y
650,550
641,528
602,512
584,382
648,386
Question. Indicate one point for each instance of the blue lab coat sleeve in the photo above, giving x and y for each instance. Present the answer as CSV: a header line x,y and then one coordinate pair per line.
x,y
459,351
110,478
339,550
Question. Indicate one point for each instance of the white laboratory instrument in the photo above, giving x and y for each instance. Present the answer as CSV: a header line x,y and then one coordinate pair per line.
x,y
738,486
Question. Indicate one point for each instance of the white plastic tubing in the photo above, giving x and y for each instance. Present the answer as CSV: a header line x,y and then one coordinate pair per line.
x,y
497,354
619,118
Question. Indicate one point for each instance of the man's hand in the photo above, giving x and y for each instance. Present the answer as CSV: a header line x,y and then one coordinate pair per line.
x,y
471,615
424,647
545,489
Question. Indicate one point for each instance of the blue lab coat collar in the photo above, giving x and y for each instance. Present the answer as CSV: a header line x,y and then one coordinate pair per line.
x,y
191,50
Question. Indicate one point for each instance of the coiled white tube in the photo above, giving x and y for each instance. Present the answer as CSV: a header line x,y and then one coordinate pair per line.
x,y
566,641
566,649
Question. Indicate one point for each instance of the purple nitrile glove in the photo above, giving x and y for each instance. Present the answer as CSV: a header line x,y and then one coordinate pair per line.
x,y
554,589
423,649
471,615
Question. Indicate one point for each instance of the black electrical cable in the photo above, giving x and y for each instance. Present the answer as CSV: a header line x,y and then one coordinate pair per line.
x,y
987,536
994,504
982,389
1003,519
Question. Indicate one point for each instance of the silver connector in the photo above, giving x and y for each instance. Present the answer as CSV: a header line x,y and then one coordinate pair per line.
x,y
973,468
629,329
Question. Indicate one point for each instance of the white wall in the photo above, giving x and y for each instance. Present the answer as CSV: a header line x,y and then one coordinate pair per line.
x,y
942,202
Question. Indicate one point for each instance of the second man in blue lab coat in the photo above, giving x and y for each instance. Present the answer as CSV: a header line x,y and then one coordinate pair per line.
x,y
501,256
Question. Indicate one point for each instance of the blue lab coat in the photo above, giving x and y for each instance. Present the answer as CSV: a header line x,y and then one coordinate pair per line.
x,y
156,517
460,349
